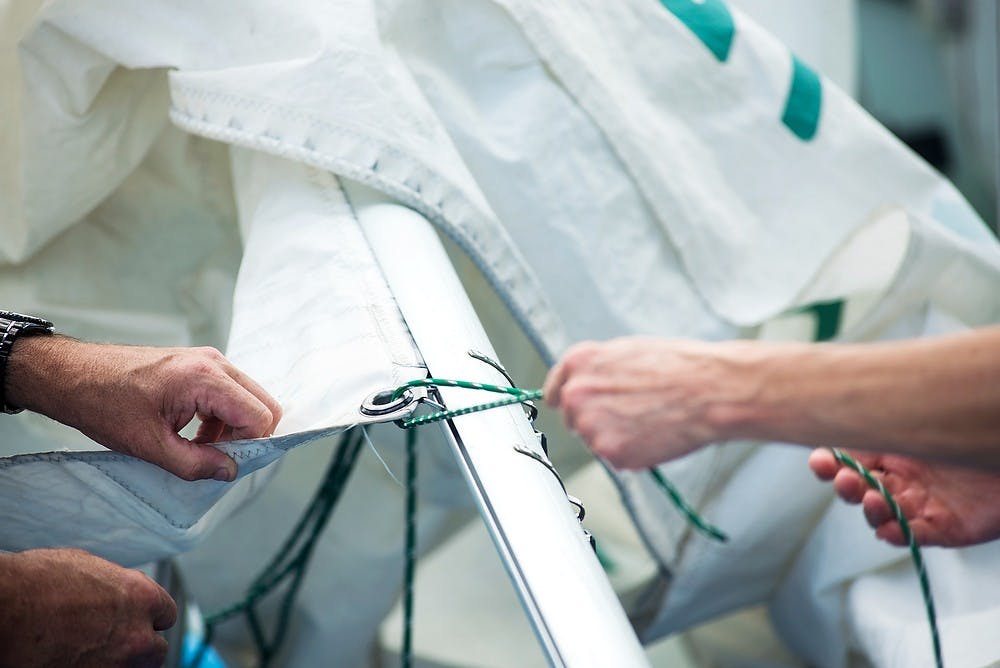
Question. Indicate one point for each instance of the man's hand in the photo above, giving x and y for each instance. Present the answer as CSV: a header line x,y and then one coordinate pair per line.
x,y
640,401
944,505
135,400
70,608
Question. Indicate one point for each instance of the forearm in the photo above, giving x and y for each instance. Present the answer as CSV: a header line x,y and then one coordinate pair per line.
x,y
937,398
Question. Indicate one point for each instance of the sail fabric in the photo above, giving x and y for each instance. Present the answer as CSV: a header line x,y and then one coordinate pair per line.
x,y
122,509
611,168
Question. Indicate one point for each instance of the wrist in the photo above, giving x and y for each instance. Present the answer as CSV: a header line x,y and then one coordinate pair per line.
x,y
35,371
12,601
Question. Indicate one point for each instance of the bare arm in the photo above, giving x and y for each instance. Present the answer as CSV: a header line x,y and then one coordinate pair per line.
x,y
640,401
935,398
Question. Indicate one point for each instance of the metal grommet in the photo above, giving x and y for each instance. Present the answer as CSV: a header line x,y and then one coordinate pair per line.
x,y
382,403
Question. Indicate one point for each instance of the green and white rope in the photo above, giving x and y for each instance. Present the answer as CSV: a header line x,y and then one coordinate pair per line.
x,y
519,396
290,562
696,520
466,384
918,560
410,560
447,415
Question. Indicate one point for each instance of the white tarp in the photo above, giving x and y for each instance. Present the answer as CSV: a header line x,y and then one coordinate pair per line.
x,y
655,167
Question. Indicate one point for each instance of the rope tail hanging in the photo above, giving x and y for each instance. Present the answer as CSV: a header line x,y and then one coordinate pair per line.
x,y
290,561
918,560
410,561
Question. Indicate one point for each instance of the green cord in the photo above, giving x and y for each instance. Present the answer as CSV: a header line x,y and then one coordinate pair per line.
x,y
447,415
696,520
290,561
469,385
918,561
410,555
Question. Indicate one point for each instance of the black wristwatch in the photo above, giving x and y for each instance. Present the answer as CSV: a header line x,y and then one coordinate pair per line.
x,y
13,325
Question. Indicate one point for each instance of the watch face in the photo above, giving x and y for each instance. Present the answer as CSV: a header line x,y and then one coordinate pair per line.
x,y
20,317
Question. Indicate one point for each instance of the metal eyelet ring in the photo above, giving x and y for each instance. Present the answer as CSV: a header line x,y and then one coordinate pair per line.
x,y
382,403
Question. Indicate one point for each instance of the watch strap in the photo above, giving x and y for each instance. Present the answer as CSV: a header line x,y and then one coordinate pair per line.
x,y
12,326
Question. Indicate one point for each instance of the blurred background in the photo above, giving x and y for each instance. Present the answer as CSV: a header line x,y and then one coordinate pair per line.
x,y
926,69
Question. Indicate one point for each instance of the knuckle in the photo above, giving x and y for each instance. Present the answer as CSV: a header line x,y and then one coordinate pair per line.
x,y
575,395
579,353
204,361
202,366
263,415
210,353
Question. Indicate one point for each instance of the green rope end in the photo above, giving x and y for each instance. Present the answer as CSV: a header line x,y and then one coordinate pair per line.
x,y
917,557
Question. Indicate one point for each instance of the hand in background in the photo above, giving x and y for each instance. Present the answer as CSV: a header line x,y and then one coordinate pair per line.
x,y
69,608
135,400
944,505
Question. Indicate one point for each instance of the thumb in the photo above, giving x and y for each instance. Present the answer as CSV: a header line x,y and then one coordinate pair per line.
x,y
196,461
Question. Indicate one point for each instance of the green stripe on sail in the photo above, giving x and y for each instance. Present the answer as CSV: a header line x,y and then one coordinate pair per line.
x,y
710,21
805,99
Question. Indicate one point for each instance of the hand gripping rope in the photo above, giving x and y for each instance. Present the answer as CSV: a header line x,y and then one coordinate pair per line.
x,y
918,560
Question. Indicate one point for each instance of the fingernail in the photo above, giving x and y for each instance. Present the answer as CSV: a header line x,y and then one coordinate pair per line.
x,y
223,474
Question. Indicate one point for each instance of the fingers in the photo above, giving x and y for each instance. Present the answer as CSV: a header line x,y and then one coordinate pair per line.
x,y
164,610
853,488
231,406
850,486
229,411
554,381
194,461
823,464
237,407
210,430
877,511
151,604
892,533
261,395
155,656
573,363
